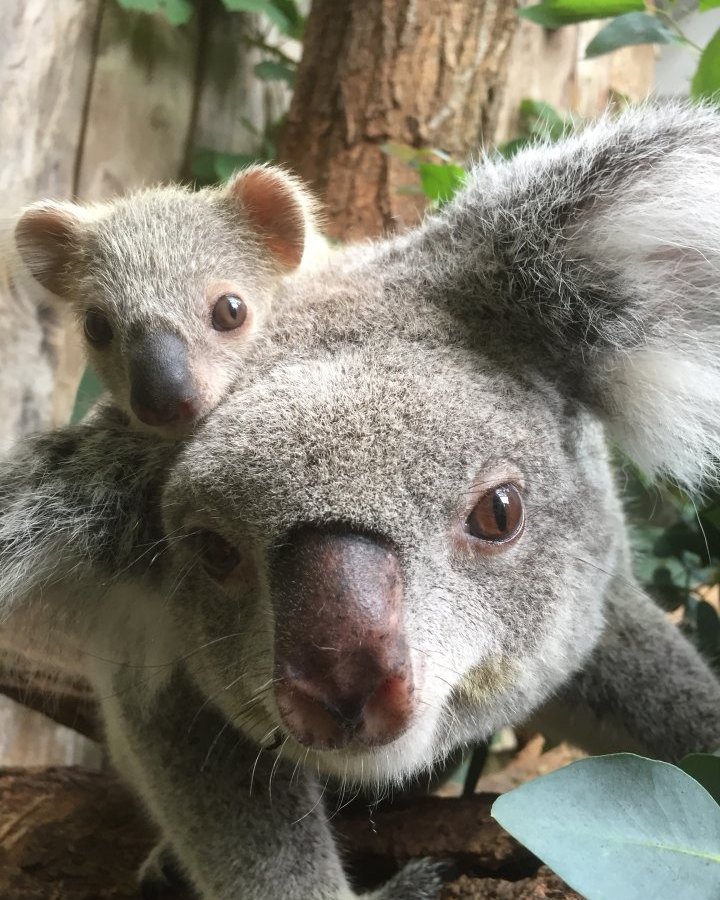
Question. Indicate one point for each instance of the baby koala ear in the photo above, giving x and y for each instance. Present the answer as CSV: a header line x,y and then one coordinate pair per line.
x,y
46,235
278,208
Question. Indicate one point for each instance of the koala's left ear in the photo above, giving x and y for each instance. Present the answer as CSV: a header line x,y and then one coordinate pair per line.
x,y
278,208
604,253
47,234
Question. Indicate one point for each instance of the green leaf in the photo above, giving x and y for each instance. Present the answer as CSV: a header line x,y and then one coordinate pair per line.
x,y
441,182
705,5
513,146
706,81
211,167
540,119
177,12
291,11
620,828
629,30
273,70
556,13
89,391
704,767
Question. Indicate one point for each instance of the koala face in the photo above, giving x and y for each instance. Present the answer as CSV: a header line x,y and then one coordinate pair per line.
x,y
169,293
169,286
386,600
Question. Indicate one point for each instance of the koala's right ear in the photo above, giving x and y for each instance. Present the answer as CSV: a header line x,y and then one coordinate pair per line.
x,y
278,207
600,255
46,236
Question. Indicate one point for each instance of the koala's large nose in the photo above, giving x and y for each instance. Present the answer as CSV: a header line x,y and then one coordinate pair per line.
x,y
162,390
342,668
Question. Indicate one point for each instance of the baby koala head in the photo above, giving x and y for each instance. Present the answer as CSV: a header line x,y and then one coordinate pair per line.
x,y
170,284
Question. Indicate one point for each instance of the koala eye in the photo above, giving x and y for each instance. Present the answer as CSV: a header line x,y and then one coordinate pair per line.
x,y
229,312
98,329
498,516
218,555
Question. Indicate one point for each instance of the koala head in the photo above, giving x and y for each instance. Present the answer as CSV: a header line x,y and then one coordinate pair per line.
x,y
170,285
397,533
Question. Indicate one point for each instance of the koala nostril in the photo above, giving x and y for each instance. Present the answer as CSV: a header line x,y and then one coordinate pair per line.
x,y
322,717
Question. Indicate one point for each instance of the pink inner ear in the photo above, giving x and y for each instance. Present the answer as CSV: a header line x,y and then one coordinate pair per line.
x,y
45,238
274,206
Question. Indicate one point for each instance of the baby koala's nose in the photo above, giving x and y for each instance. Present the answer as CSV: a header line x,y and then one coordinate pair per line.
x,y
342,666
162,389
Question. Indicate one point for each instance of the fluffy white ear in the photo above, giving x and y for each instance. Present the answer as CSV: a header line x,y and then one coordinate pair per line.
x,y
278,208
657,243
46,236
600,256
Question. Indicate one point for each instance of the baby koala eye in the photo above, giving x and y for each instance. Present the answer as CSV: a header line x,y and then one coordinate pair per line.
x,y
219,557
499,515
98,329
229,312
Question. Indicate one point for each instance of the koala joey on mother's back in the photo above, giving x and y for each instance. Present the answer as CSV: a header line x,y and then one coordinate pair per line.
x,y
170,285
399,531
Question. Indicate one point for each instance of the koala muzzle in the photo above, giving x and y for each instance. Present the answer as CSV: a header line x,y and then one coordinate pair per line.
x,y
342,667
162,389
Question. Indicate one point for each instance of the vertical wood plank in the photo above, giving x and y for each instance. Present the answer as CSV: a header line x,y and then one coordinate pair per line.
x,y
46,51
234,105
140,106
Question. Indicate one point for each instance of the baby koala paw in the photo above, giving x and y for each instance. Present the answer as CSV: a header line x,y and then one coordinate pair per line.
x,y
421,879
160,878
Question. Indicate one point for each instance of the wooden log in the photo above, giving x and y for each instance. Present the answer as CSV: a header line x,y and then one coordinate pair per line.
x,y
70,834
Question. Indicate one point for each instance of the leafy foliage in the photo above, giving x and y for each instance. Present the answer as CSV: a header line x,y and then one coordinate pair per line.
x,y
275,70
635,23
622,827
177,12
556,13
632,28
88,393
706,83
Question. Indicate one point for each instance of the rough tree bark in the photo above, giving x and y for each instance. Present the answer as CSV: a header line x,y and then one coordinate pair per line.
x,y
445,74
420,72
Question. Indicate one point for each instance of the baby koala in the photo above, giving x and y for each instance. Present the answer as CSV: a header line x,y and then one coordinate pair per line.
x,y
171,284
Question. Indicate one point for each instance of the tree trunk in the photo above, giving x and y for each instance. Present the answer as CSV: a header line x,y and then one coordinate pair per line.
x,y
447,74
419,72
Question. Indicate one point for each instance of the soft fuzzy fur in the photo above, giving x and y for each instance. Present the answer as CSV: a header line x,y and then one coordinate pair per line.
x,y
557,294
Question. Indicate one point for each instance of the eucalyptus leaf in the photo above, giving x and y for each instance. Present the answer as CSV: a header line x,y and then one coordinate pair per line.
x,y
706,81
556,13
177,12
620,828
273,70
441,182
628,31
211,167
542,120
88,393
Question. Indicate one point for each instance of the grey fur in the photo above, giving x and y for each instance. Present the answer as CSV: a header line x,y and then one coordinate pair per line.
x,y
153,262
489,345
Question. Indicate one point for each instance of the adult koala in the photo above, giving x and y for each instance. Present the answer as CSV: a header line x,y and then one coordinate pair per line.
x,y
400,530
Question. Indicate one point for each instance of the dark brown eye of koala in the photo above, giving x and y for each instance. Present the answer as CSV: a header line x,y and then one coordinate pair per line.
x,y
98,329
498,516
229,312
218,555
